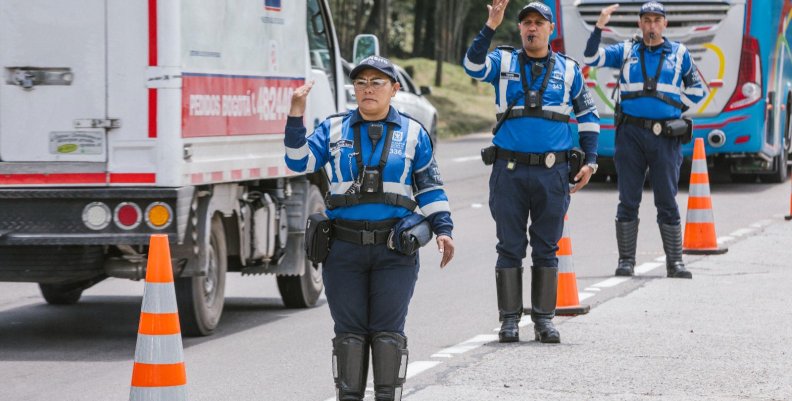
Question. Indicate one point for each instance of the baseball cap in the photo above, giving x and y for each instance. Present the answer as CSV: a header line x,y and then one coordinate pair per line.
x,y
652,7
538,7
378,63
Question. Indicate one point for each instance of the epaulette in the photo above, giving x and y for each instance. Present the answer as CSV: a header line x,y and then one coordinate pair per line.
x,y
341,114
415,120
506,47
568,58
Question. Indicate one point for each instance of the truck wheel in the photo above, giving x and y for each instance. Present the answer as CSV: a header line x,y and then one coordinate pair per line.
x,y
201,298
61,294
303,291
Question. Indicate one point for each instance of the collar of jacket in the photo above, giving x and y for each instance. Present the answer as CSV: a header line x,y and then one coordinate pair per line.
x,y
393,117
666,46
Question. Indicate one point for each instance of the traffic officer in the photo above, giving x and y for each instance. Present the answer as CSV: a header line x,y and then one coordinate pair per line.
x,y
387,155
536,89
658,81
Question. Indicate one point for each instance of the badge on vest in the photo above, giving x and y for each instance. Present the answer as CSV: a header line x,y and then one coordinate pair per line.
x,y
657,128
511,76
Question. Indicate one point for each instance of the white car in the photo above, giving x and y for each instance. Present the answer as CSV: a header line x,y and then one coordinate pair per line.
x,y
410,100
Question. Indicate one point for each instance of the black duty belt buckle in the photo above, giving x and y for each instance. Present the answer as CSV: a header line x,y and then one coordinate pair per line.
x,y
549,159
367,237
657,128
511,164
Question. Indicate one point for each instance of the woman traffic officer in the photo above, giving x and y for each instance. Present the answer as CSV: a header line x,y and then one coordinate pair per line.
x,y
382,167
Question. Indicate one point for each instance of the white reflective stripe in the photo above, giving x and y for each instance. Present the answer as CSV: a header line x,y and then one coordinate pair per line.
x,y
297,154
434,207
563,109
569,78
687,102
340,188
503,84
638,86
473,67
700,216
597,60
626,59
589,127
699,190
159,298
694,91
335,136
409,150
565,264
159,350
397,188
698,166
678,65
430,189
172,393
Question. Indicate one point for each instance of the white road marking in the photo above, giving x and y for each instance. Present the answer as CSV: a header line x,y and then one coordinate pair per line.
x,y
465,159
611,282
741,232
582,296
725,239
592,289
466,346
647,267
418,367
476,205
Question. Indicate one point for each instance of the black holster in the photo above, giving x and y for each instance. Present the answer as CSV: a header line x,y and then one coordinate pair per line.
x,y
318,232
489,154
681,128
577,159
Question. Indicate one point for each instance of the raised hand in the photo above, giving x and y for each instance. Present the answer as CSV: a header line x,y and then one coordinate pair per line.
x,y
299,99
496,11
605,15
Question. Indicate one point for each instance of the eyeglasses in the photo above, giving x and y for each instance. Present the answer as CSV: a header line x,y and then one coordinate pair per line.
x,y
376,83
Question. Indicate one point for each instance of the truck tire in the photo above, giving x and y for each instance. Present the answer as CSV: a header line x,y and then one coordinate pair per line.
x,y
61,294
303,291
201,298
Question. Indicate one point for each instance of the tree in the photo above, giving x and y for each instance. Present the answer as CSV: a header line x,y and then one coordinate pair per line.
x,y
449,24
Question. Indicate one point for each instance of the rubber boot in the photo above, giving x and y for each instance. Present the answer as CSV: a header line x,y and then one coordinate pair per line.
x,y
672,245
389,357
544,289
510,302
627,240
350,366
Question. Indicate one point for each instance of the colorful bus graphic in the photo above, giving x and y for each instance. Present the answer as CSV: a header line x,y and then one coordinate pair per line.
x,y
742,51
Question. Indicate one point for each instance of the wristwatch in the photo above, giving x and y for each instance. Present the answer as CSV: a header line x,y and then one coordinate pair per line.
x,y
594,167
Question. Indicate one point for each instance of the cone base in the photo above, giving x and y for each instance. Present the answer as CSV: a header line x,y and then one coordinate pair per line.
x,y
787,218
573,310
716,251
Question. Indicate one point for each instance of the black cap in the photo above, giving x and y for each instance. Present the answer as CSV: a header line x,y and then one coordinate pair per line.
x,y
538,7
378,63
652,7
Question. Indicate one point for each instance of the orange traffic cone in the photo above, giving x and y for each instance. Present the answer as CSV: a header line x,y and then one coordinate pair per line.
x,y
159,374
567,301
700,238
790,206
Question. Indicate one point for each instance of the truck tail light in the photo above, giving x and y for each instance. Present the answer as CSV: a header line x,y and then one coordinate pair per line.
x,y
749,79
159,215
96,215
128,215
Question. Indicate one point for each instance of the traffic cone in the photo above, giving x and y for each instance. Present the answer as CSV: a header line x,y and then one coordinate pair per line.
x,y
567,301
787,218
700,238
159,374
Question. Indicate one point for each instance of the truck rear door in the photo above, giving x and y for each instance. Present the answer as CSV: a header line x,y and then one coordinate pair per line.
x,y
53,91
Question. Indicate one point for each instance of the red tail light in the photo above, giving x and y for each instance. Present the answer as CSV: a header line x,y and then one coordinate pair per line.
x,y
557,44
749,80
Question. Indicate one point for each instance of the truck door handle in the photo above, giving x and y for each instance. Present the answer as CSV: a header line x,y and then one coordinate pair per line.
x,y
29,77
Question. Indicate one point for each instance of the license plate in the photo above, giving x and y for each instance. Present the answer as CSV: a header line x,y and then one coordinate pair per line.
x,y
77,143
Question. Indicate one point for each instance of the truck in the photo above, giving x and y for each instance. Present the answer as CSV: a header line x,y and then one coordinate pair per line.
x,y
741,50
124,119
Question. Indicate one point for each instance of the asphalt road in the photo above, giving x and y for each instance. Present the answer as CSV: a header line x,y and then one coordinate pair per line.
x,y
262,351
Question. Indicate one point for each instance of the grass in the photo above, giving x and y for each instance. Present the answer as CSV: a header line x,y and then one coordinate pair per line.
x,y
463,107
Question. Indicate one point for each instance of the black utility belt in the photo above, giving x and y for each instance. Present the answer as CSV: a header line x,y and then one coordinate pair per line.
x,y
363,232
538,113
675,128
548,159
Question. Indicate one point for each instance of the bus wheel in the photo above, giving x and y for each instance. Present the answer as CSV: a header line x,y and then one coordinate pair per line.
x,y
201,298
61,294
303,291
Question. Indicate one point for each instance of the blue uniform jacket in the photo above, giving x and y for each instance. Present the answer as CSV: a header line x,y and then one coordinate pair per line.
x,y
679,79
411,169
565,94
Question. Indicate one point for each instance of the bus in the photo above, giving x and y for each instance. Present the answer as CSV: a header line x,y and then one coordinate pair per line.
x,y
744,118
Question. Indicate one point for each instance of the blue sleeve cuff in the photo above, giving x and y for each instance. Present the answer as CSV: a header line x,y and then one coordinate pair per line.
x,y
588,142
441,223
592,45
295,132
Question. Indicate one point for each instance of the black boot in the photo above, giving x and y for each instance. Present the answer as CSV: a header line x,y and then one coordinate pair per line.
x,y
672,245
626,239
544,287
350,366
389,358
510,305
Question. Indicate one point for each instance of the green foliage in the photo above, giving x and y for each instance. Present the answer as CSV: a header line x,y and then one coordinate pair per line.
x,y
462,106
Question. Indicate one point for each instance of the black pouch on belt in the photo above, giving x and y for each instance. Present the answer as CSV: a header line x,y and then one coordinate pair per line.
x,y
318,232
577,159
489,154
681,128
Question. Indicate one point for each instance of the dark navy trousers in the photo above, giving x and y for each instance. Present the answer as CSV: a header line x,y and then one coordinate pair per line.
x,y
636,149
535,192
368,287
